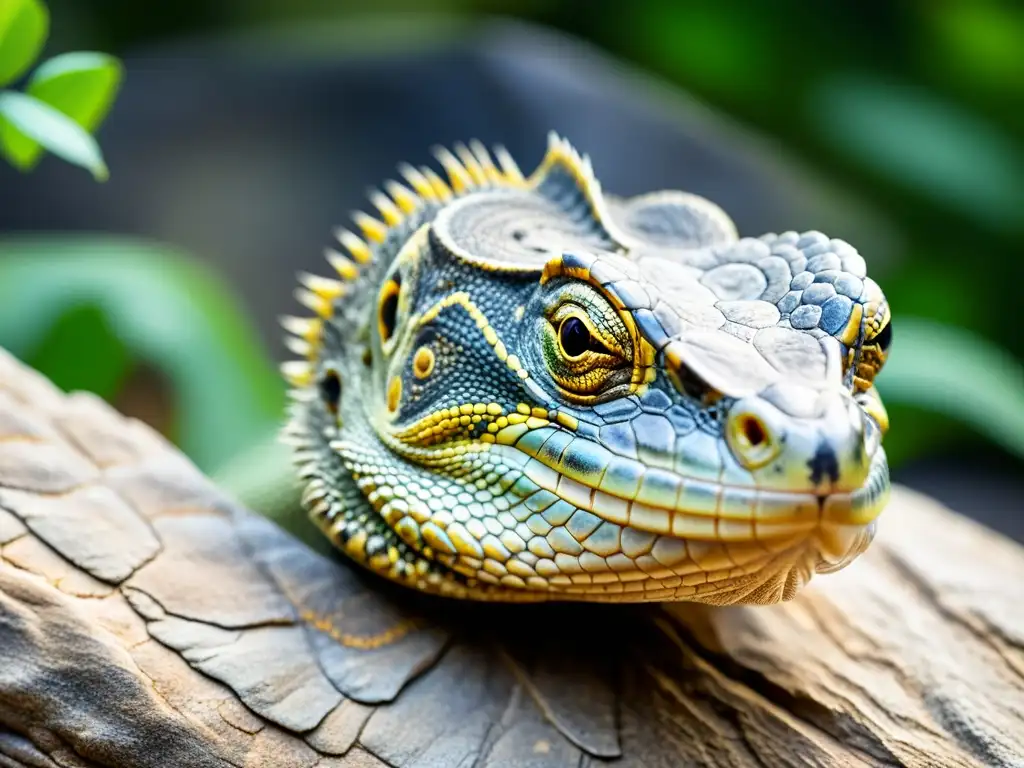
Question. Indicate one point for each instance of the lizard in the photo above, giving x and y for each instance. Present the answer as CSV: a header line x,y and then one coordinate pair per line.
x,y
523,388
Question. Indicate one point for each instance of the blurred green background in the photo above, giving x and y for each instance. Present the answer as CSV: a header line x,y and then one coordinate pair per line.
x,y
901,123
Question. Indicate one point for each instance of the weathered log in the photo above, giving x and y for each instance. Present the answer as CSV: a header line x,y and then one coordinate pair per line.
x,y
148,620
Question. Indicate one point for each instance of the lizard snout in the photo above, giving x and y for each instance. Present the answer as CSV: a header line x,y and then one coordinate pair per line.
x,y
823,448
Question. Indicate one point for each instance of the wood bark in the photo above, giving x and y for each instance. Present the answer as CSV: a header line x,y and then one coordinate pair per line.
x,y
146,619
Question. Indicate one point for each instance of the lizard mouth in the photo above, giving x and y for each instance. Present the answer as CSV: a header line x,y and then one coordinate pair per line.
x,y
698,509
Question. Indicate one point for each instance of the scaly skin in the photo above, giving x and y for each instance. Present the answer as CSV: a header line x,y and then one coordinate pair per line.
x,y
524,389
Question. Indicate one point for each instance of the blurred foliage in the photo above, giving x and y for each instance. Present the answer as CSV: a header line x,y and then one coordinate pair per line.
x,y
917,106
103,306
65,99
952,374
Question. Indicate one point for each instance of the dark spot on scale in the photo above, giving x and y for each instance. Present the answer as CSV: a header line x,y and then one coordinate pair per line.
x,y
824,464
330,389
350,529
376,545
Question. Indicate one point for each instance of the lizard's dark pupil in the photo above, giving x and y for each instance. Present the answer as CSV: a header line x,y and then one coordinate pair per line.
x,y
574,336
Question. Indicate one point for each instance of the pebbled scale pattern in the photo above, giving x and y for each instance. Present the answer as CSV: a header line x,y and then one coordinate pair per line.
x,y
455,462
148,620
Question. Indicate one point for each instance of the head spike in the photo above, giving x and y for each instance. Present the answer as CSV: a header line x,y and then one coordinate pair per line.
x,y
469,162
418,181
588,169
458,176
355,245
345,268
298,373
298,396
298,346
564,165
402,195
392,216
508,165
441,189
483,157
311,301
324,287
305,328
372,229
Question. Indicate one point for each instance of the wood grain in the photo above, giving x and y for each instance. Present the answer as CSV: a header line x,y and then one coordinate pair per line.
x,y
148,620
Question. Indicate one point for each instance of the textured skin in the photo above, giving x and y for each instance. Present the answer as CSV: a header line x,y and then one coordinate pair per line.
x,y
524,389
232,644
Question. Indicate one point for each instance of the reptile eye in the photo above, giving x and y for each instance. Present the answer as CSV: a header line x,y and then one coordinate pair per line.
x,y
330,389
575,338
586,347
871,357
388,307
884,337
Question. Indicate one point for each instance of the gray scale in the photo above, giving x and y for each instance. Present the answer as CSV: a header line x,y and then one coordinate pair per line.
x,y
806,316
818,293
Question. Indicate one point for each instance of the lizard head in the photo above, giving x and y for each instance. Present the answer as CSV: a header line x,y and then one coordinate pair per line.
x,y
526,389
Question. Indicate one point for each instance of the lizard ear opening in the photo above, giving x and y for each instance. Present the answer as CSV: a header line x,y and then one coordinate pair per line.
x,y
329,387
387,307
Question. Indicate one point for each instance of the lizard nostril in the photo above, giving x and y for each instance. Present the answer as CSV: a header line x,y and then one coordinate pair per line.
x,y
750,439
753,430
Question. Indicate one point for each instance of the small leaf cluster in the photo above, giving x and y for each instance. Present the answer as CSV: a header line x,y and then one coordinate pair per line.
x,y
64,99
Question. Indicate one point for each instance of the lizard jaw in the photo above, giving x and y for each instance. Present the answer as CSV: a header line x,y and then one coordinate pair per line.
x,y
701,509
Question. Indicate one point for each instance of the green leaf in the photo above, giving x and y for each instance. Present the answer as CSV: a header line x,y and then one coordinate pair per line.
x,y
52,129
81,351
958,374
23,28
713,46
920,141
168,311
977,45
80,85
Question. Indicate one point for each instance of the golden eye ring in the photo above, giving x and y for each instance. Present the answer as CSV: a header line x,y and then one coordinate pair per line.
x,y
581,361
575,338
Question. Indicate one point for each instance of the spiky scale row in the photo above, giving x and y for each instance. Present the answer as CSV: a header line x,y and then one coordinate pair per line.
x,y
469,168
341,264
403,196
360,251
458,175
298,373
